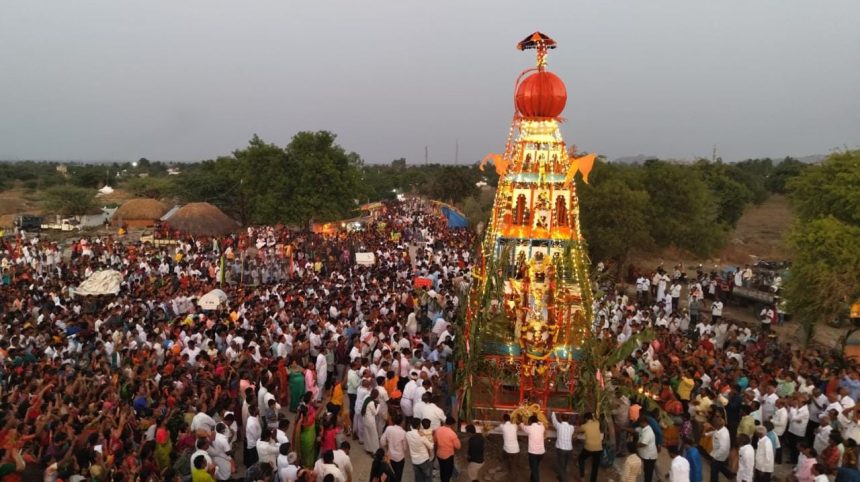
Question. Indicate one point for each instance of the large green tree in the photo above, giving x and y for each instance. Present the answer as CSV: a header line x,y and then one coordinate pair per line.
x,y
323,181
825,241
67,200
829,189
614,219
683,210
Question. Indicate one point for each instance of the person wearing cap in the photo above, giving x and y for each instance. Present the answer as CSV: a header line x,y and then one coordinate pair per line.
x,y
406,400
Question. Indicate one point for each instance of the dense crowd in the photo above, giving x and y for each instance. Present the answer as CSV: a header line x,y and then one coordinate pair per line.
x,y
314,356
709,389
307,354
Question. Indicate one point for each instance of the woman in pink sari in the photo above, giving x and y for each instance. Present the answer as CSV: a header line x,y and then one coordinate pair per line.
x,y
311,381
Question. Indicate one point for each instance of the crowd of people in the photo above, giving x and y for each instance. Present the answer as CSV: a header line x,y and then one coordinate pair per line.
x,y
312,355
315,357
706,388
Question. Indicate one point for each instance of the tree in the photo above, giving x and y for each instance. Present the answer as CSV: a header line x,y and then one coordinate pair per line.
x,y
825,240
730,195
69,200
829,189
152,187
683,210
823,279
323,181
614,219
785,170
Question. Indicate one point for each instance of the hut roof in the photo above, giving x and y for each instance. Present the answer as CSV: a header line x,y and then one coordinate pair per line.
x,y
140,209
202,219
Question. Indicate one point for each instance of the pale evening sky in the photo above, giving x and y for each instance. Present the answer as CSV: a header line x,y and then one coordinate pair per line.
x,y
192,79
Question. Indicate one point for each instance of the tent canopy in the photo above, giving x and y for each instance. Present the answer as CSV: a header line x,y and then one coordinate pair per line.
x,y
105,282
455,218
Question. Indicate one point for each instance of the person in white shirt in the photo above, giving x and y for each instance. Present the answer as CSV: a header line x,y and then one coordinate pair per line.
x,y
510,443
342,460
325,466
536,434
253,431
746,459
267,448
763,455
647,448
288,471
780,424
798,415
563,445
393,440
822,435
716,310
680,468
721,441
220,451
420,450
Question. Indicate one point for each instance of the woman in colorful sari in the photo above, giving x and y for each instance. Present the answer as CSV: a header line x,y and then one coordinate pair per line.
x,y
297,385
308,434
163,445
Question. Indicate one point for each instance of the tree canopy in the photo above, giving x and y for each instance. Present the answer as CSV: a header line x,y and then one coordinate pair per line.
x,y
825,239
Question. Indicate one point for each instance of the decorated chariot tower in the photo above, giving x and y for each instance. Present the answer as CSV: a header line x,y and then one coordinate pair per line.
x,y
530,306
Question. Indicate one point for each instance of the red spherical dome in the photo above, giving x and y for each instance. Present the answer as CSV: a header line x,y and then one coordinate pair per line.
x,y
541,94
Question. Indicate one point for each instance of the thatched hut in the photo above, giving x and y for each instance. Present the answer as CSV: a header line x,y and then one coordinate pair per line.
x,y
202,219
139,213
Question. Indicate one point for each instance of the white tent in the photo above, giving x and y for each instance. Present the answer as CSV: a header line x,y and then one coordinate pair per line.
x,y
212,300
105,282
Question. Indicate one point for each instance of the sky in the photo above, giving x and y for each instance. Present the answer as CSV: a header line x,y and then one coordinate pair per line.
x,y
185,80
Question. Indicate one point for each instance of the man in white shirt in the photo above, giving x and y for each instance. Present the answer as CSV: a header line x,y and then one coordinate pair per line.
x,y
342,460
393,440
763,456
510,443
798,415
563,445
680,469
716,310
253,431
647,448
721,441
419,452
536,433
325,466
746,459
780,424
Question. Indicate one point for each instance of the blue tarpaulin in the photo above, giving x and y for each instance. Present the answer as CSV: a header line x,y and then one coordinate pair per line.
x,y
454,217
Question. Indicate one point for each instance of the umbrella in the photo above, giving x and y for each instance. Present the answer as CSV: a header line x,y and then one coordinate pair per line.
x,y
212,300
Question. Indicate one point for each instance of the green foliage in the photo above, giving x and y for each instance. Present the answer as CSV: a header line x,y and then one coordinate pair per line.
x,y
478,208
69,200
683,211
88,175
312,178
614,218
829,189
599,355
823,279
785,170
730,195
825,240
152,187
